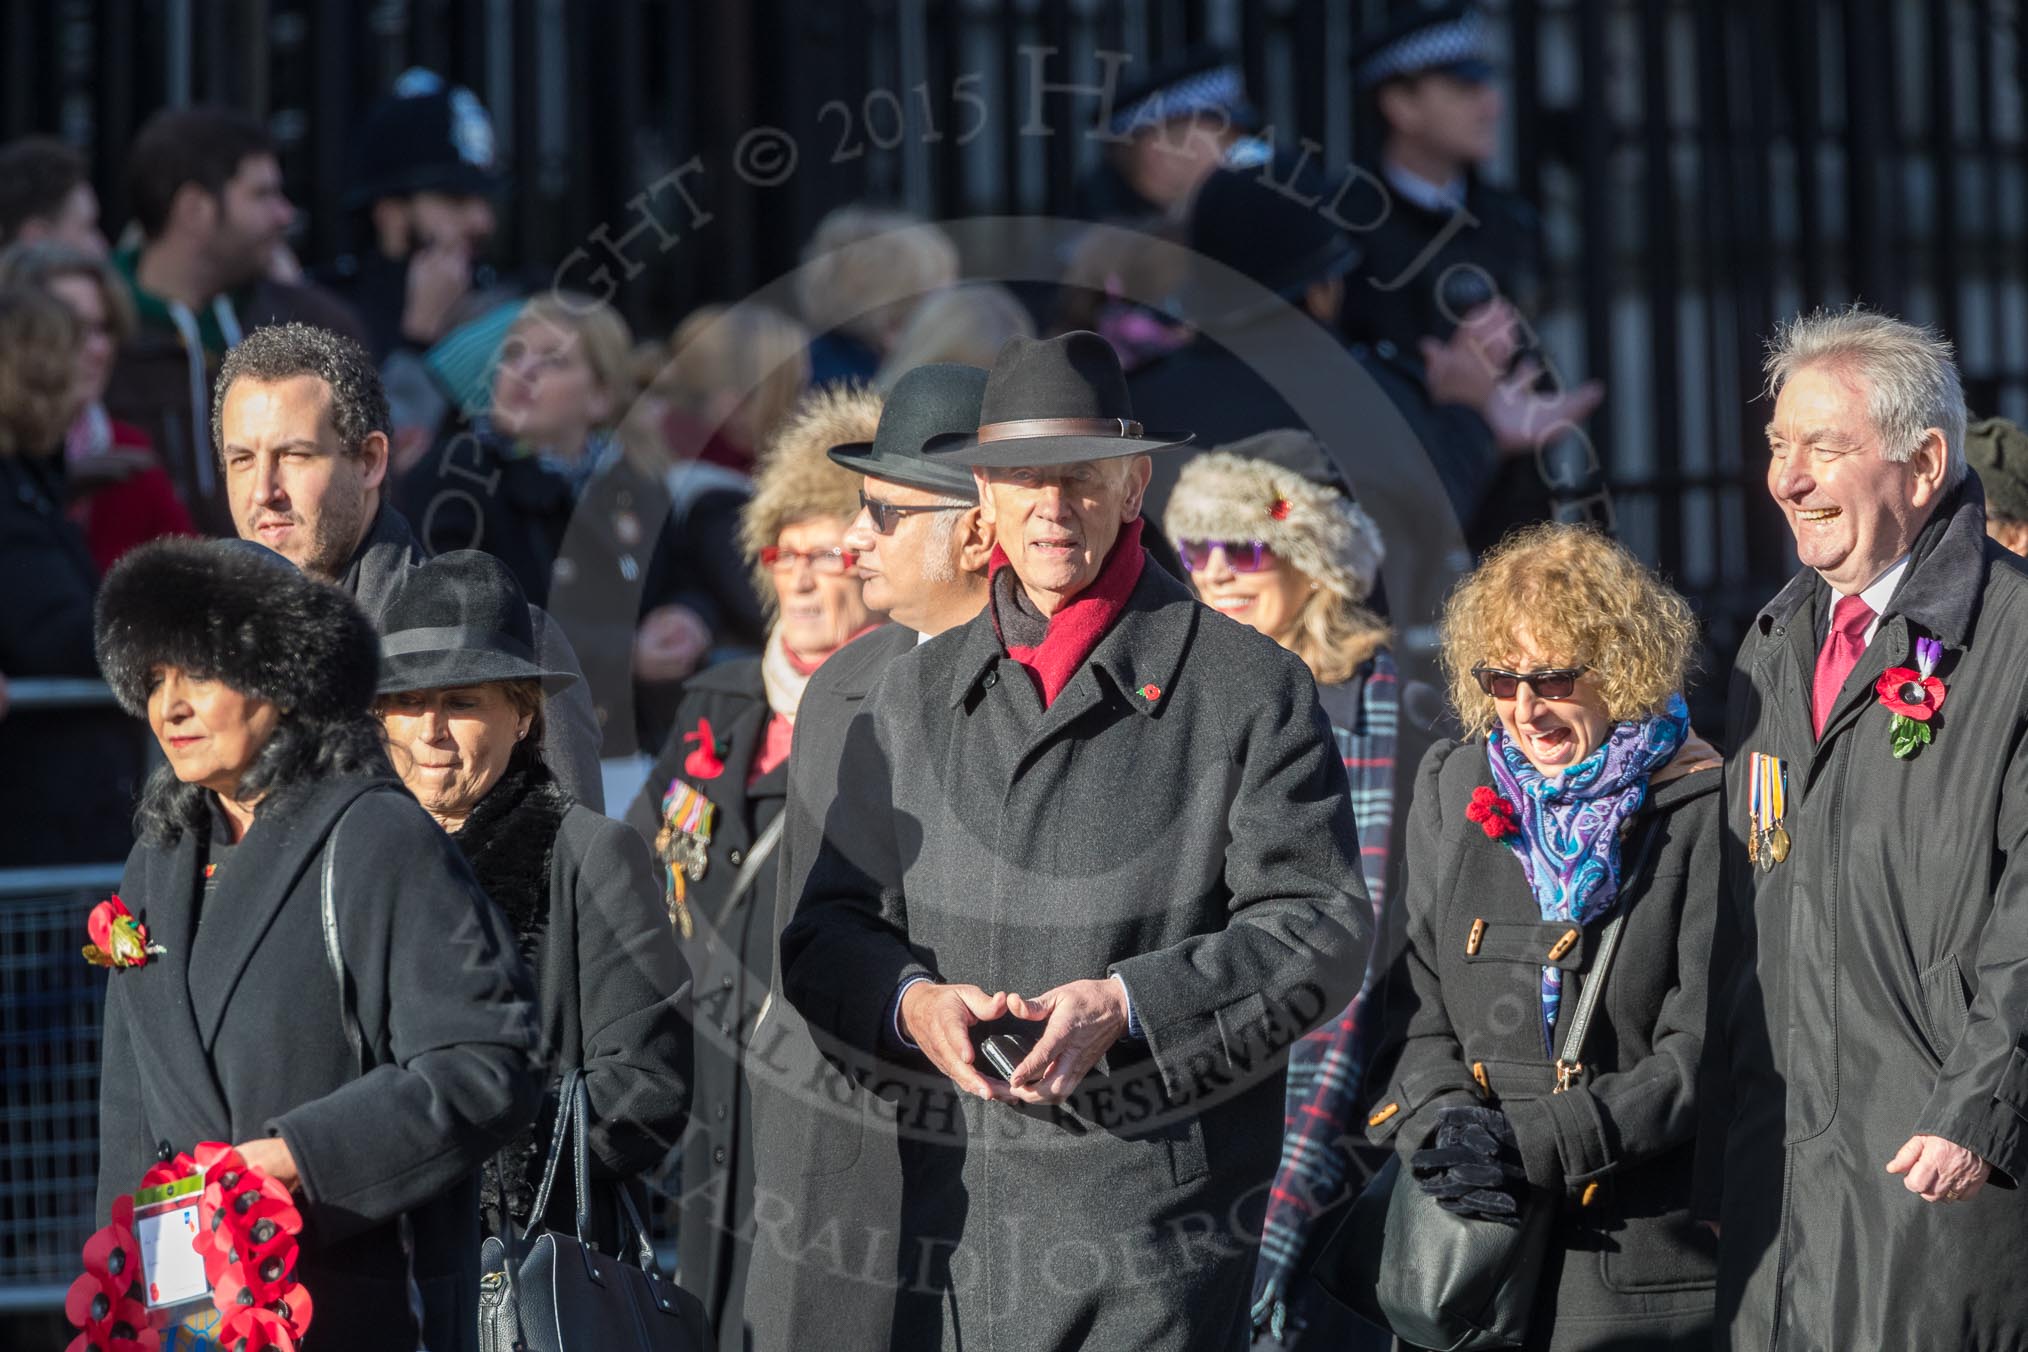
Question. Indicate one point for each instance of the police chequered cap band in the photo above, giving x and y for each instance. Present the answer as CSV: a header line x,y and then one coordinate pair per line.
x,y
1446,44
1220,89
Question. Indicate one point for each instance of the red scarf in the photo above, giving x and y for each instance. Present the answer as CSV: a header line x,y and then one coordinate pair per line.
x,y
1077,628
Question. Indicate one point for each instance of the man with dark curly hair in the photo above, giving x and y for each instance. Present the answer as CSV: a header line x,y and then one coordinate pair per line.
x,y
299,422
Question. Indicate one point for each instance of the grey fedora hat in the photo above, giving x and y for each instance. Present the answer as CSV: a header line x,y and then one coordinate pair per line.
x,y
937,399
1053,401
460,619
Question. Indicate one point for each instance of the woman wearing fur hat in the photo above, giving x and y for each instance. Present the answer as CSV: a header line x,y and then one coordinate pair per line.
x,y
1270,537
717,791
461,700
257,680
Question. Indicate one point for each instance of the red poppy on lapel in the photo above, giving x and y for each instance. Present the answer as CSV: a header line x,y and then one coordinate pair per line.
x,y
117,938
703,762
1493,813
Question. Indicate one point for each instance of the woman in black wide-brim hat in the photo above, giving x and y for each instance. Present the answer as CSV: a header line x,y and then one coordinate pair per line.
x,y
461,700
258,680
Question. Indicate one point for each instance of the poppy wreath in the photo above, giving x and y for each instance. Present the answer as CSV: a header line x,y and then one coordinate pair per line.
x,y
1493,813
1913,696
117,938
247,1234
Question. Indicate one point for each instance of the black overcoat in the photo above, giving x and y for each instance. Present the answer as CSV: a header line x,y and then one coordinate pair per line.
x,y
1874,985
612,997
1628,1266
67,776
1177,817
235,1033
824,1153
731,955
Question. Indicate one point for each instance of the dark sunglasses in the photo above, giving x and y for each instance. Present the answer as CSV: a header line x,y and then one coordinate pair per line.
x,y
1242,556
1549,683
887,515
835,562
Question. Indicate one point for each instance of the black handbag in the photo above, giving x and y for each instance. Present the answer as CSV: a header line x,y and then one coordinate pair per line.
x,y
558,1293
1443,1281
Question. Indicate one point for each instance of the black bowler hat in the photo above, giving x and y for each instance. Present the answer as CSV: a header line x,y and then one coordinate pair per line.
x,y
460,619
1273,226
1448,40
1052,401
938,399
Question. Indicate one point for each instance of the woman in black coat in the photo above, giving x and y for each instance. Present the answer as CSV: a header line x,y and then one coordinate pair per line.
x,y
1581,795
708,805
462,703
257,681
67,776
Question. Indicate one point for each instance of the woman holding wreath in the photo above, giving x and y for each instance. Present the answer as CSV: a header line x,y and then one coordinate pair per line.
x,y
232,1026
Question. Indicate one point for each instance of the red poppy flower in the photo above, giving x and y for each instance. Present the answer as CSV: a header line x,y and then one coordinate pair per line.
x,y
1911,694
703,762
1493,814
117,938
1280,511
1151,692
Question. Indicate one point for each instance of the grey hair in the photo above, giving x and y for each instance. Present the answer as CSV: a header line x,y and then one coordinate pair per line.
x,y
282,351
1909,372
938,566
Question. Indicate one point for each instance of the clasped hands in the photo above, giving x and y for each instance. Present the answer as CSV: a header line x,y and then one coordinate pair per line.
x,y
1080,1021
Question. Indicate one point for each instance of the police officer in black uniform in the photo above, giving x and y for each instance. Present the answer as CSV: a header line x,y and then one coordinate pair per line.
x,y
1162,131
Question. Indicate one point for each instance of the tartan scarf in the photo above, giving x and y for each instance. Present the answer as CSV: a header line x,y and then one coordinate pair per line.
x,y
1326,1065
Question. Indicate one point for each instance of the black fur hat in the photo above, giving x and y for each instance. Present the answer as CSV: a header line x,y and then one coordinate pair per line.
x,y
240,613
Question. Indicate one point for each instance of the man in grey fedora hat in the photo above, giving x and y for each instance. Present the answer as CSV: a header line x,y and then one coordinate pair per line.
x,y
922,553
1097,870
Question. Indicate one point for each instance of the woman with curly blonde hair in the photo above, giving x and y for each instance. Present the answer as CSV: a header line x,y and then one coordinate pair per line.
x,y
1578,806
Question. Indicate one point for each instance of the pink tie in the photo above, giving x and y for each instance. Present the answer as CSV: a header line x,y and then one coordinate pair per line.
x,y
1840,654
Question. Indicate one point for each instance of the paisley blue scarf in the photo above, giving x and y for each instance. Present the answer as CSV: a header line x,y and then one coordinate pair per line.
x,y
1569,843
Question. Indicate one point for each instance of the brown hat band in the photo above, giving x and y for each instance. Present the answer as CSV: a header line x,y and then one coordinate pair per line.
x,y
1020,429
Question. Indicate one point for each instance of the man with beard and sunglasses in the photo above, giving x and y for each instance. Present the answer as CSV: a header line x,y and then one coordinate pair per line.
x,y
1096,869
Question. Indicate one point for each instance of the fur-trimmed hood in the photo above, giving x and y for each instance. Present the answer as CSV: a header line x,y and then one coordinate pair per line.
x,y
242,614
797,478
1317,529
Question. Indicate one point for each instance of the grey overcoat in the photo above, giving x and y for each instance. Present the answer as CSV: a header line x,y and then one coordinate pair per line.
x,y
1178,817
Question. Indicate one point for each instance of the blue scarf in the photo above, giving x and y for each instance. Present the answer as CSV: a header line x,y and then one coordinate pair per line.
x,y
1569,842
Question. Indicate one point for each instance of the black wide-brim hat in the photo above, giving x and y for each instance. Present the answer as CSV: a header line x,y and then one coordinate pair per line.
x,y
1052,401
460,619
236,612
938,399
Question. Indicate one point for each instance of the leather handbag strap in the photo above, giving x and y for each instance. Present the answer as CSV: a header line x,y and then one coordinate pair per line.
x,y
1570,1065
348,1015
571,1131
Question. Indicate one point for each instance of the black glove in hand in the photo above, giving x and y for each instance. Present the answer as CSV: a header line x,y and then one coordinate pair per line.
x,y
1474,1169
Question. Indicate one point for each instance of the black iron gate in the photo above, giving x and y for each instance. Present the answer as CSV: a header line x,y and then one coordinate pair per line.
x,y
1702,166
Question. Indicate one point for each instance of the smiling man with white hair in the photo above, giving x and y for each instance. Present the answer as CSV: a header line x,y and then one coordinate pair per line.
x,y
1097,868
1865,1106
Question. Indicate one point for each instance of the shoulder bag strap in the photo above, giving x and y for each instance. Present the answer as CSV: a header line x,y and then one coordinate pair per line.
x,y
1569,1066
763,846
349,1017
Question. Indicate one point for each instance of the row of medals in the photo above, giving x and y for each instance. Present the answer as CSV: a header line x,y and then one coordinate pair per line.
x,y
1768,845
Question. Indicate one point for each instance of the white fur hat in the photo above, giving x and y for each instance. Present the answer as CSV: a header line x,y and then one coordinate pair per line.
x,y
1232,495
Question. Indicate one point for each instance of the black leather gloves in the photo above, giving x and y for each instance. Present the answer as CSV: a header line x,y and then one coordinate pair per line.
x,y
1474,1169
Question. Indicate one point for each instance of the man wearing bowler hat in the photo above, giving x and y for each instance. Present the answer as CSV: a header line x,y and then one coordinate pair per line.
x,y
922,553
1097,870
